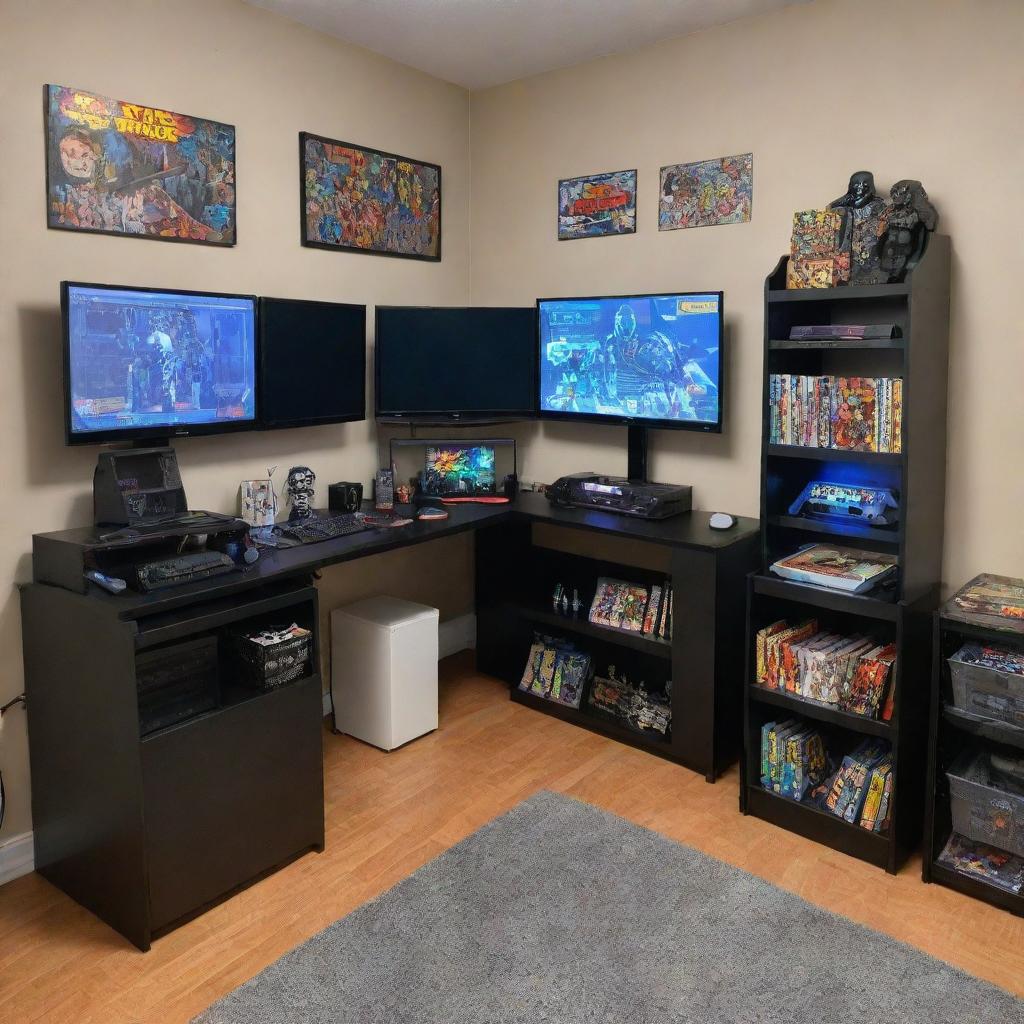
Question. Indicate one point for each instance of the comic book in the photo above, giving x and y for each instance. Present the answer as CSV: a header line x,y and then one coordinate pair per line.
x,y
873,798
813,659
651,615
884,815
990,600
816,259
532,665
836,568
603,603
773,654
634,605
979,860
824,412
897,415
761,670
869,681
785,413
852,401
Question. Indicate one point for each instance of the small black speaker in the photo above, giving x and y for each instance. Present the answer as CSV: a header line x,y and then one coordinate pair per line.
x,y
344,497
510,486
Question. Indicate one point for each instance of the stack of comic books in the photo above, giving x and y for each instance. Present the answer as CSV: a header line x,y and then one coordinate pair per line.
x,y
862,414
818,258
630,607
793,758
836,568
637,707
852,673
1001,869
860,792
556,670
990,600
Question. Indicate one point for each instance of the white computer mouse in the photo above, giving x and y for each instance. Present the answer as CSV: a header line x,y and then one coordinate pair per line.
x,y
721,521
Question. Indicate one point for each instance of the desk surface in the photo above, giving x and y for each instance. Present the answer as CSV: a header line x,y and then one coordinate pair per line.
x,y
689,530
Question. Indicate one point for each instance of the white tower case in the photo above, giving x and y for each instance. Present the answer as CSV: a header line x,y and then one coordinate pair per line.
x,y
384,670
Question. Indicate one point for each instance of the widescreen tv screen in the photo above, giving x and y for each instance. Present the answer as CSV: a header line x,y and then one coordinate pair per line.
x,y
454,362
145,363
652,359
312,362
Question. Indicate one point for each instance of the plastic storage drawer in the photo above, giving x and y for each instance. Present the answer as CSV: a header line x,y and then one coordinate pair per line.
x,y
982,811
986,691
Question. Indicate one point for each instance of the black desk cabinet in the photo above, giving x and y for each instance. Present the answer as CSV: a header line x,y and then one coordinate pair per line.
x,y
145,830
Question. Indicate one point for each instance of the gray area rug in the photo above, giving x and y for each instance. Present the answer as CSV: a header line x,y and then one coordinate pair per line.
x,y
561,913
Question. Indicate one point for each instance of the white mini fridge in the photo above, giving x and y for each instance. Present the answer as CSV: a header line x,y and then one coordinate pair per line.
x,y
384,670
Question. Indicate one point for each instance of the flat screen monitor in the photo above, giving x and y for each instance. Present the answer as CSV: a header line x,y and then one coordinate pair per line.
x,y
312,362
145,363
454,363
652,360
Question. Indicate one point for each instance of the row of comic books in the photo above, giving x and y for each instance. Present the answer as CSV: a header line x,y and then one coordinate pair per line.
x,y
863,414
795,764
853,673
556,670
633,608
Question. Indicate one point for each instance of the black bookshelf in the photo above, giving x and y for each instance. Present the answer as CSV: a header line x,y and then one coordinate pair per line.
x,y
898,613
951,732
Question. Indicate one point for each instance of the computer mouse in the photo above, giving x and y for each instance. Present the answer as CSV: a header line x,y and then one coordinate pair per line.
x,y
721,521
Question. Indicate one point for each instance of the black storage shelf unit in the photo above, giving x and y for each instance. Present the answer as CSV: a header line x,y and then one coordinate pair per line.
x,y
176,816
515,579
951,731
899,613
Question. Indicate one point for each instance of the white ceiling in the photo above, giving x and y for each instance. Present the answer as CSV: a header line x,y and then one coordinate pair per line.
x,y
480,43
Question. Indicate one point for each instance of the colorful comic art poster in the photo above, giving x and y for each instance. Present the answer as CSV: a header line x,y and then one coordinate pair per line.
x,y
123,168
362,200
598,204
707,193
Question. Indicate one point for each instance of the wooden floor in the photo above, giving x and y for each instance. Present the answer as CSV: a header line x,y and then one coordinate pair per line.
x,y
389,813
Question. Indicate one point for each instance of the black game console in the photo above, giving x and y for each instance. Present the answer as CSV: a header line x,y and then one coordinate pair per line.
x,y
616,494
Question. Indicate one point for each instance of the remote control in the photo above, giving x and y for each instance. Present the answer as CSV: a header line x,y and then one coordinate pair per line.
x,y
109,583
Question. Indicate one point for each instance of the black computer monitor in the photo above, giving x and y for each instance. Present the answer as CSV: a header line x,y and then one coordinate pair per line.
x,y
312,362
142,363
648,360
454,362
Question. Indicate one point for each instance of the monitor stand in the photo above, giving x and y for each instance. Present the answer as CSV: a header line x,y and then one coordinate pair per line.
x,y
636,466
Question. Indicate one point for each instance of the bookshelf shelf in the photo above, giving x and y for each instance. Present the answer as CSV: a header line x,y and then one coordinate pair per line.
x,y
898,614
796,451
820,712
844,344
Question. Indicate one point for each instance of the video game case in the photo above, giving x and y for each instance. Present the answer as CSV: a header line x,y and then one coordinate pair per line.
x,y
843,332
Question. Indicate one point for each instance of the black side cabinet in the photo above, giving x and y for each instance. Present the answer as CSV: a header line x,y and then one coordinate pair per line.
x,y
145,809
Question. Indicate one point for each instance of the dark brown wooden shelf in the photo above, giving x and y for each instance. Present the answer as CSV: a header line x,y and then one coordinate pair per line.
x,y
867,605
820,712
977,888
813,823
583,627
984,728
852,530
796,451
849,292
867,344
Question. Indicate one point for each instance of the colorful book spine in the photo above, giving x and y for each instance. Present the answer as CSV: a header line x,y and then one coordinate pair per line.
x,y
897,415
651,617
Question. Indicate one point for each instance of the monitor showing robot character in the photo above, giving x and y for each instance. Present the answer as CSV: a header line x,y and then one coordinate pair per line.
x,y
140,361
646,358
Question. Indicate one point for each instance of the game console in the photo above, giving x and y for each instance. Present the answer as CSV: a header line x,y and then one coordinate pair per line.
x,y
616,494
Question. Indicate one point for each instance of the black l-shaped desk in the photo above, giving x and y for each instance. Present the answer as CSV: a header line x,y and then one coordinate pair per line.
x,y
146,831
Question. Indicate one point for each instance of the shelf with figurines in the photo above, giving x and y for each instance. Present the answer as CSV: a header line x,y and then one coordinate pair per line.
x,y
856,324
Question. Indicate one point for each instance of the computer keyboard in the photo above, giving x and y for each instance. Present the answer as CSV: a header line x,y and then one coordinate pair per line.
x,y
318,528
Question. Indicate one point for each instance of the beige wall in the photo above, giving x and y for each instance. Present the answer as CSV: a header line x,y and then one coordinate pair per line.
x,y
928,89
270,78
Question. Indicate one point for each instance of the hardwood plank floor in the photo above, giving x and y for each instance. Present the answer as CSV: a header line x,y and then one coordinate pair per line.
x,y
387,814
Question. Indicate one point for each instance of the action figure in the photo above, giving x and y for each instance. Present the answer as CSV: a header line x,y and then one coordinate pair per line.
x,y
910,217
863,228
300,487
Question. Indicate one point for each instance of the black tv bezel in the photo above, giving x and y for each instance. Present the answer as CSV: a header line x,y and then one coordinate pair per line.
x,y
169,431
698,426
308,421
448,415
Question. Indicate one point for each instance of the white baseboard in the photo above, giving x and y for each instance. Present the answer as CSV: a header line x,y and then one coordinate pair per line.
x,y
453,635
17,857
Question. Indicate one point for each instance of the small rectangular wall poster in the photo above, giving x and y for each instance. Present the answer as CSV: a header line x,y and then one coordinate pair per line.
x,y
362,200
119,168
597,204
706,193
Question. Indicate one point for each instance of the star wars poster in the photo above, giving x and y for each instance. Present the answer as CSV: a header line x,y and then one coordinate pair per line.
x,y
598,204
706,193
121,168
